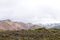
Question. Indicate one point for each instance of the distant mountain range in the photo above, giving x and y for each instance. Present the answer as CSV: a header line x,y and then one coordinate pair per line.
x,y
10,25
52,25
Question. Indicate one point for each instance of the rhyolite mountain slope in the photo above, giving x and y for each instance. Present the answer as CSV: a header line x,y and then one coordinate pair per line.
x,y
10,25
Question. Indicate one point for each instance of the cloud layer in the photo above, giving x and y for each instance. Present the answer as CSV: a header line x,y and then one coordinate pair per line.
x,y
34,11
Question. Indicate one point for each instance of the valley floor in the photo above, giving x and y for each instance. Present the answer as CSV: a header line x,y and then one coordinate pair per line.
x,y
37,34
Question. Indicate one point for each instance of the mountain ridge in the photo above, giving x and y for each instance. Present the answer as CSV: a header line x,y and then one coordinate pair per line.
x,y
11,25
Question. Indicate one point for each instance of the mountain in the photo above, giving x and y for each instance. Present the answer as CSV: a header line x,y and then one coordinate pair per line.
x,y
57,26
52,25
10,25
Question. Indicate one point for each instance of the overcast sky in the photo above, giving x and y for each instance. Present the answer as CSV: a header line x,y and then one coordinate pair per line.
x,y
34,11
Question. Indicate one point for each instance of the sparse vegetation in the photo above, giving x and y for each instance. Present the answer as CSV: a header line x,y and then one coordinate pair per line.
x,y
37,34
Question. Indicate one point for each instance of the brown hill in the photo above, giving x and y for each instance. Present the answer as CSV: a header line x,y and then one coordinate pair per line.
x,y
10,25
